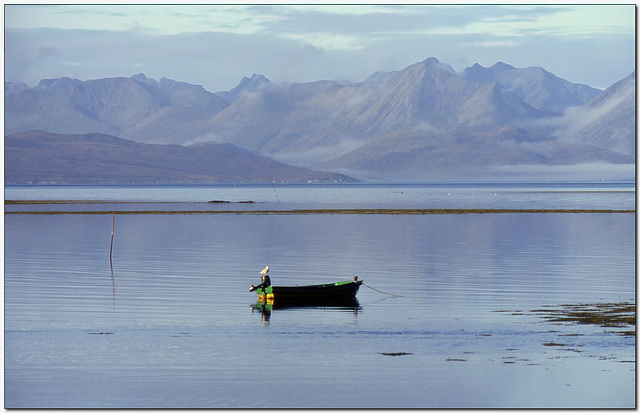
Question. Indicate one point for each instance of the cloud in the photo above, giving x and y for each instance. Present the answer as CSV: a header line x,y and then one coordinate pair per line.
x,y
317,155
216,45
574,120
326,41
494,43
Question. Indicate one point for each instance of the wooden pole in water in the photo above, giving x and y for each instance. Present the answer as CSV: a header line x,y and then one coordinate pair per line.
x,y
274,188
113,227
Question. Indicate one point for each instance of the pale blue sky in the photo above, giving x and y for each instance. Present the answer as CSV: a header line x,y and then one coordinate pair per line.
x,y
216,45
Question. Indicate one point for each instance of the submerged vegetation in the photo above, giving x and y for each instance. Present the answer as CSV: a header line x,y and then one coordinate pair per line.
x,y
608,315
400,353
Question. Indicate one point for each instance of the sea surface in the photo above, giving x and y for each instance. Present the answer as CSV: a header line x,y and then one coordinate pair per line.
x,y
458,281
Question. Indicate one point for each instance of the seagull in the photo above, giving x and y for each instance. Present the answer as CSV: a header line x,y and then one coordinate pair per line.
x,y
266,270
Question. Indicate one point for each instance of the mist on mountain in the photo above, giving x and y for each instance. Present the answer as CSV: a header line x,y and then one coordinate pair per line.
x,y
422,122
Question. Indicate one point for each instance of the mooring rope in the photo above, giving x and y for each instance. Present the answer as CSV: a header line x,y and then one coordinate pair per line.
x,y
392,295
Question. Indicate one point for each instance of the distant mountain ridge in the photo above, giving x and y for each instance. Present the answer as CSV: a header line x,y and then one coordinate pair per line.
x,y
480,118
534,85
124,107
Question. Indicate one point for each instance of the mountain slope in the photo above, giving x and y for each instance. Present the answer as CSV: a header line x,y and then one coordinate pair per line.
x,y
418,154
127,107
35,156
309,123
246,85
534,85
607,121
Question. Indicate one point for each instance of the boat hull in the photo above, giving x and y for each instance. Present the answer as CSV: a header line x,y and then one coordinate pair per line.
x,y
333,292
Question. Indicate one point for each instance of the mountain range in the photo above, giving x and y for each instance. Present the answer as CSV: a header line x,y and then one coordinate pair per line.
x,y
423,122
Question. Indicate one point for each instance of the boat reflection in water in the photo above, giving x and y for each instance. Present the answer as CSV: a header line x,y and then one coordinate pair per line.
x,y
265,307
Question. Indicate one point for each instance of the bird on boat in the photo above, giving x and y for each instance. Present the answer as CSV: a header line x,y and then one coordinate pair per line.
x,y
265,270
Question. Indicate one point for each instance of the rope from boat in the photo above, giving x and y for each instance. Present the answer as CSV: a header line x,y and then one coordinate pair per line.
x,y
392,295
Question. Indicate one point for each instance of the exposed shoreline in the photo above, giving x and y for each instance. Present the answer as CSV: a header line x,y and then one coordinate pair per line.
x,y
338,211
98,201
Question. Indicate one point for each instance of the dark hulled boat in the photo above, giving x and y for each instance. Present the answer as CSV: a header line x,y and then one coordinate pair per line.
x,y
333,292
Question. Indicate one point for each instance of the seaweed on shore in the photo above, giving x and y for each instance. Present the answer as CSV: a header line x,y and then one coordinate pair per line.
x,y
400,353
608,315
320,211
217,201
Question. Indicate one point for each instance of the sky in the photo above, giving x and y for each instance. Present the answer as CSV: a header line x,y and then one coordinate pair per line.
x,y
216,45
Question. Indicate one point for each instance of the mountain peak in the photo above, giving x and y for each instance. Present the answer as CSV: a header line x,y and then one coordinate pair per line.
x,y
140,77
246,85
479,73
431,61
57,83
255,81
434,62
501,66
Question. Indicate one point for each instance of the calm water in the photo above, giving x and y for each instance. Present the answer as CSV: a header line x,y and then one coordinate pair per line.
x,y
549,195
172,324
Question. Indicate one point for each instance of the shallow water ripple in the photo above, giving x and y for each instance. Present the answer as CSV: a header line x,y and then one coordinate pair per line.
x,y
172,324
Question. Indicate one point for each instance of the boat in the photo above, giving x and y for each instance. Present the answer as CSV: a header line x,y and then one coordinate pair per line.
x,y
342,291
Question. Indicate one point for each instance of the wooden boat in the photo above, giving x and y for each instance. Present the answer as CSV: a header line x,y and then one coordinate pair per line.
x,y
333,292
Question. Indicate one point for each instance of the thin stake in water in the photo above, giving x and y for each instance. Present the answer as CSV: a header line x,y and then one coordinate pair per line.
x,y
274,188
113,226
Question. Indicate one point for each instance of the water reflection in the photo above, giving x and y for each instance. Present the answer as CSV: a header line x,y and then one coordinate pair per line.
x,y
181,335
265,307
113,287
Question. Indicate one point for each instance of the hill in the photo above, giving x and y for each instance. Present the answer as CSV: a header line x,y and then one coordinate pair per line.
x,y
43,157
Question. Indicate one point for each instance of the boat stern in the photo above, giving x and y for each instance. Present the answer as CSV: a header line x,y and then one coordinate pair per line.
x,y
264,293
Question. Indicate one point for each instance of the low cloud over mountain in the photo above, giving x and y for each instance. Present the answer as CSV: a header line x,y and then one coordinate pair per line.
x,y
423,122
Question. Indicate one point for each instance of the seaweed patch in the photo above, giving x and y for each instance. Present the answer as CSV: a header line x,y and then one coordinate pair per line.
x,y
608,315
400,353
